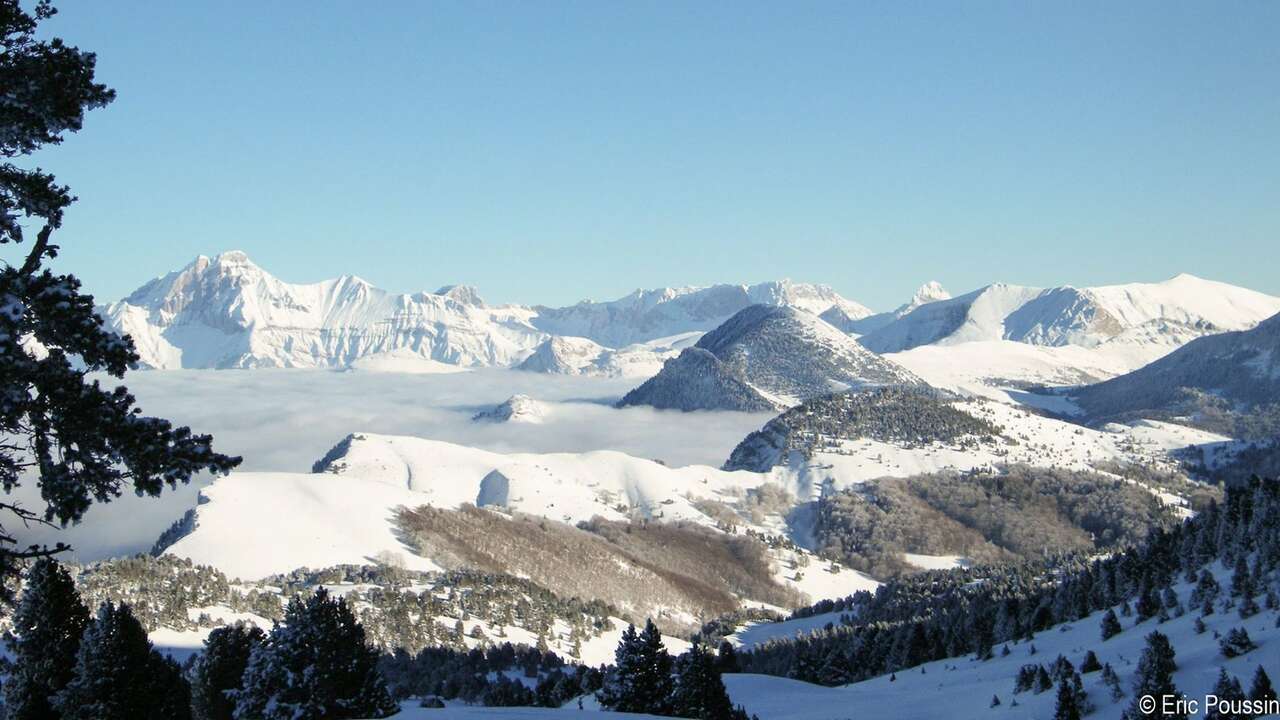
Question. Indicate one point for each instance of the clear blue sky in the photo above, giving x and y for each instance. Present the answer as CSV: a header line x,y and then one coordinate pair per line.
x,y
547,152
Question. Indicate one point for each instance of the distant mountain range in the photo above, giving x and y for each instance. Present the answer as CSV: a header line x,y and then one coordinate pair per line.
x,y
226,312
1167,313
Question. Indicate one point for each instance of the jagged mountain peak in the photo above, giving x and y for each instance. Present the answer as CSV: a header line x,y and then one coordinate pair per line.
x,y
465,294
929,292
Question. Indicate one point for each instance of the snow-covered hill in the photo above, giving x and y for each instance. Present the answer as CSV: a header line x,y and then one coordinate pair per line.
x,y
343,512
1164,314
831,444
778,355
347,501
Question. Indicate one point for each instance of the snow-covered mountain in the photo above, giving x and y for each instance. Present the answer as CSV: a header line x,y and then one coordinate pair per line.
x,y
1240,369
1165,314
226,312
782,354
931,291
647,314
579,356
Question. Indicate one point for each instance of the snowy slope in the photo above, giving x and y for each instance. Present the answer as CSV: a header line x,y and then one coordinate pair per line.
x,y
250,525
1165,314
962,688
346,511
1004,369
342,513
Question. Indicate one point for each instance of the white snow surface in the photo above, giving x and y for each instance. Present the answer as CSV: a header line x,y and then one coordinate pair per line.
x,y
250,525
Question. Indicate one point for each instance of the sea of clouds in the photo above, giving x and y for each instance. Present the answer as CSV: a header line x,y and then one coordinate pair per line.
x,y
284,420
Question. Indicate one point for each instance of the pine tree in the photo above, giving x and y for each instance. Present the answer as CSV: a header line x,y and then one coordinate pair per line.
x,y
118,676
1237,642
1148,603
728,658
81,442
219,670
1241,580
1261,688
1228,691
169,693
315,665
1154,676
1090,663
983,637
1043,681
640,681
1110,625
699,692
1112,681
47,626
1066,707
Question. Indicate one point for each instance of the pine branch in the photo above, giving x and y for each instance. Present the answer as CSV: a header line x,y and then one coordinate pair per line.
x,y
39,250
